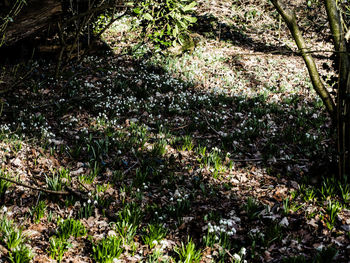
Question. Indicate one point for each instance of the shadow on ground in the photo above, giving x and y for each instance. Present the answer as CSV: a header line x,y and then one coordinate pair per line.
x,y
180,155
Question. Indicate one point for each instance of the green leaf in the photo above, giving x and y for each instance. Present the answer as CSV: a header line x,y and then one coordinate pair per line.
x,y
189,7
190,19
175,31
137,10
148,16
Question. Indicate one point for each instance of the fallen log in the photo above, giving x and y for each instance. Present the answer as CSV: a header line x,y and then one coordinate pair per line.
x,y
36,16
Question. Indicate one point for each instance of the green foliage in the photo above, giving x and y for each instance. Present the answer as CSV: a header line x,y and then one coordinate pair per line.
x,y
70,227
157,257
38,211
86,210
332,210
166,23
325,255
22,254
253,208
160,148
126,230
108,249
54,182
4,185
14,240
58,247
188,253
131,213
153,234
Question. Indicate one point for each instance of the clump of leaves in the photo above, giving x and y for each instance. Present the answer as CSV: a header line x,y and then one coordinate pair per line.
x,y
188,253
58,246
22,254
54,182
38,211
86,210
253,208
4,185
166,23
332,210
126,230
71,227
14,240
153,234
107,250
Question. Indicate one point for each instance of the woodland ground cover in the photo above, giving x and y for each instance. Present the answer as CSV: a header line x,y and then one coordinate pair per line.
x,y
219,155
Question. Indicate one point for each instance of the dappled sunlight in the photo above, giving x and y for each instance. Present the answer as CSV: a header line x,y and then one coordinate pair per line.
x,y
222,154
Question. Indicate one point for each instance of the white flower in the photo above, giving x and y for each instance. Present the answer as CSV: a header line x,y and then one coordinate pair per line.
x,y
89,201
237,257
243,251
4,209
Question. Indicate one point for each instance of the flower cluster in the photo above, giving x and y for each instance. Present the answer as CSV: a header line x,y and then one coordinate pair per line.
x,y
226,226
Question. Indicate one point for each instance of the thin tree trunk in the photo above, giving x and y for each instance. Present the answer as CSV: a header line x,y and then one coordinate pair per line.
x,y
290,18
343,99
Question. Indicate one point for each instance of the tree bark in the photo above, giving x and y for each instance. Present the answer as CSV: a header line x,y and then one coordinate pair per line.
x,y
290,19
343,96
34,17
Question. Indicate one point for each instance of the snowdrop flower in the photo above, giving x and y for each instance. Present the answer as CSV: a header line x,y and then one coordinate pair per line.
x,y
89,201
237,257
243,251
4,209
233,230
155,242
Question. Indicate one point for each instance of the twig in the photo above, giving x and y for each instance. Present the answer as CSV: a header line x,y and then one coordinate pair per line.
x,y
131,167
35,188
180,128
83,185
206,120
261,159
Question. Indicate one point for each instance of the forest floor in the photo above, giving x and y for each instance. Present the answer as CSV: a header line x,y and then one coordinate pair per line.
x,y
225,154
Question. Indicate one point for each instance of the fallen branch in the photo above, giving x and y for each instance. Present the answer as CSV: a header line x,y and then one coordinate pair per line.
x,y
269,161
35,188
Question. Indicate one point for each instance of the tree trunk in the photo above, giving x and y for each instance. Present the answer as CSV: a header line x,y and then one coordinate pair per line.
x,y
36,16
290,19
340,112
343,99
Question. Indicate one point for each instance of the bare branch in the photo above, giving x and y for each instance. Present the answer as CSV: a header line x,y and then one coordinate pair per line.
x,y
35,188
